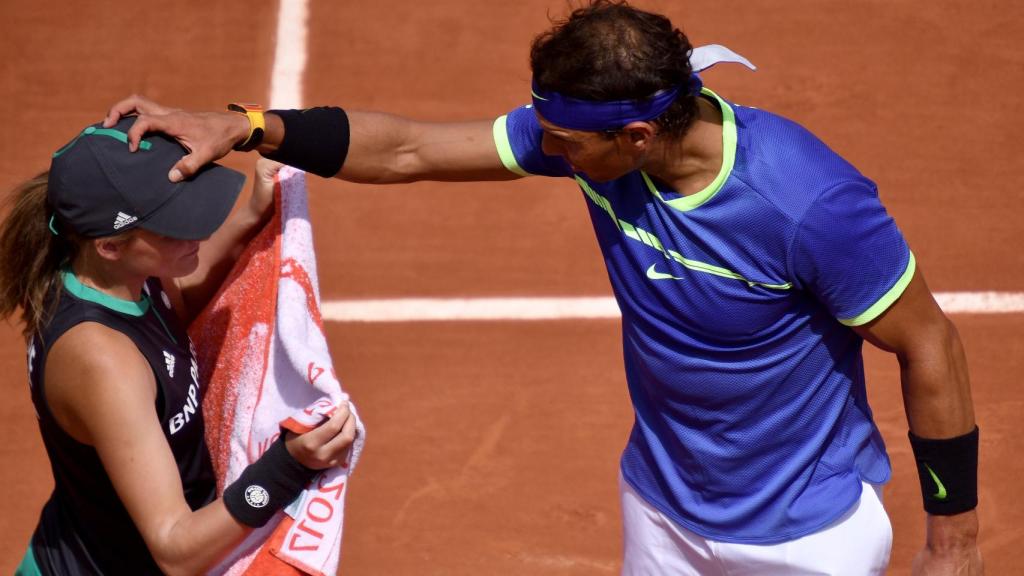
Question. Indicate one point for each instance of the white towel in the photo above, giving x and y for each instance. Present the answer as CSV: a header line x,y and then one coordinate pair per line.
x,y
264,357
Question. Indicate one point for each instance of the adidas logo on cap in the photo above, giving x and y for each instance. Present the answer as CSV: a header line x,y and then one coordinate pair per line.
x,y
123,220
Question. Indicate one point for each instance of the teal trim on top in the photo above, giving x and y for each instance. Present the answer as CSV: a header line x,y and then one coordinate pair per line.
x,y
508,158
887,299
728,161
28,566
79,290
89,130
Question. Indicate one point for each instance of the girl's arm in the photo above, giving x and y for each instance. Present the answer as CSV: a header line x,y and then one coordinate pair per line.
x,y
102,392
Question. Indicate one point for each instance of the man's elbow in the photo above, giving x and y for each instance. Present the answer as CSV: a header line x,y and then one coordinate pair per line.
x,y
932,342
397,168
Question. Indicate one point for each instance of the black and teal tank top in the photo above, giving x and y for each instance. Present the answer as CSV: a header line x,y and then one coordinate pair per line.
x,y
84,528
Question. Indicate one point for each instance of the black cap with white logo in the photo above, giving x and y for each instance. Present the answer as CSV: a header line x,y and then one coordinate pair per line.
x,y
98,187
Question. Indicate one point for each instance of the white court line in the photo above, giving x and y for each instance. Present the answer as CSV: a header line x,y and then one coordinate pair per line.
x,y
440,309
981,302
599,307
286,92
289,55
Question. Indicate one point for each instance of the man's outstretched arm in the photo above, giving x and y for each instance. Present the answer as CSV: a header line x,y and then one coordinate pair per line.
x,y
382,148
391,149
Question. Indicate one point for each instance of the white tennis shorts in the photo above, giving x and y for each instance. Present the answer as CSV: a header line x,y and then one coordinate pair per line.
x,y
857,544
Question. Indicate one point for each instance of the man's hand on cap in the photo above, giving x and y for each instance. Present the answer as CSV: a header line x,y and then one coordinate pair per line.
x,y
207,136
134,104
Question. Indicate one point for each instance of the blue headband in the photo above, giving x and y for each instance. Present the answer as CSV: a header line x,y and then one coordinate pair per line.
x,y
596,116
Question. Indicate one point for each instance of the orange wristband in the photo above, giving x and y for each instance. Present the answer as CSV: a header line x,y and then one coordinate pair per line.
x,y
257,125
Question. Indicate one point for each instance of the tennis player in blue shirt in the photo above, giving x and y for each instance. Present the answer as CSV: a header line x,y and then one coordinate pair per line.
x,y
750,263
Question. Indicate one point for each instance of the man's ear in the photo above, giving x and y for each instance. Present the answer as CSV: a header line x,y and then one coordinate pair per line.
x,y
640,135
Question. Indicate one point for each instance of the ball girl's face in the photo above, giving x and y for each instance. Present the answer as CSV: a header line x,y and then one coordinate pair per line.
x,y
155,255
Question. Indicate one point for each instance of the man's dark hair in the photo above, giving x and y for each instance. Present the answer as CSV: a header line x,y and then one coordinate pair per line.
x,y
610,50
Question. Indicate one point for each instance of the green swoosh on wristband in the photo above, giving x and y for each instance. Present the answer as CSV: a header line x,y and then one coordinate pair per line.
x,y
941,494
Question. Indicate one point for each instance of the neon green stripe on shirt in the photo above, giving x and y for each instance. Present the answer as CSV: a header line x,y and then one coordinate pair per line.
x,y
508,158
883,303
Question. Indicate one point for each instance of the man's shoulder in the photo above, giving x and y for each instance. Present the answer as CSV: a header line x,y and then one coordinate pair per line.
x,y
786,163
776,138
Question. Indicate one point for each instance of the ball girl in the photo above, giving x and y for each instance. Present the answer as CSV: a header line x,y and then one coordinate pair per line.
x,y
108,262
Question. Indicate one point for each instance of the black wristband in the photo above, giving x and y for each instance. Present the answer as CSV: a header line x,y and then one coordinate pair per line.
x,y
266,486
948,471
315,140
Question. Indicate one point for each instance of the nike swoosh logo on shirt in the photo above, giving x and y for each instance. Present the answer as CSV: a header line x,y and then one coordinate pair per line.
x,y
941,494
655,275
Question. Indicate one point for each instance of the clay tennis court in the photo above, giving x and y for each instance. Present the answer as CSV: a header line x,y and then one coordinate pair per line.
x,y
493,445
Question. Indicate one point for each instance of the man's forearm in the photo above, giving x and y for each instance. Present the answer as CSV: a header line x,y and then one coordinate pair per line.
x,y
936,387
388,149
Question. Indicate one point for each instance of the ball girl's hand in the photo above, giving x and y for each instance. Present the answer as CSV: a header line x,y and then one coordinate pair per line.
x,y
327,445
263,186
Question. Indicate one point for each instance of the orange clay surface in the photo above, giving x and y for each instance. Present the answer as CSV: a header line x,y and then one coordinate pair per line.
x,y
493,446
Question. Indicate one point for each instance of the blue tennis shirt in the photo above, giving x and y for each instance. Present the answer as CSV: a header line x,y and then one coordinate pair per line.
x,y
752,422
